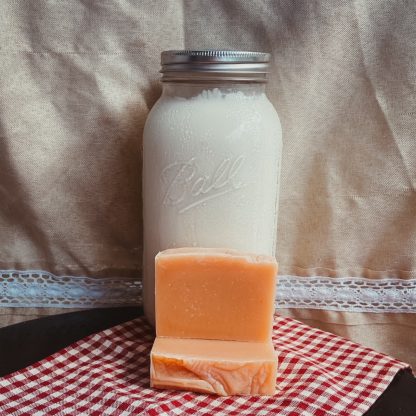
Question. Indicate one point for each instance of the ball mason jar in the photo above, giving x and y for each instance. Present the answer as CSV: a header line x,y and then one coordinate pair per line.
x,y
211,158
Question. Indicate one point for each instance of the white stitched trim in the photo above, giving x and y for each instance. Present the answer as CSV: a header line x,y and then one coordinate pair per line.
x,y
349,294
35,288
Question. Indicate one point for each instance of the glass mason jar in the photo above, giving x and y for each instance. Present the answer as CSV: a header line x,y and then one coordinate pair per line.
x,y
211,158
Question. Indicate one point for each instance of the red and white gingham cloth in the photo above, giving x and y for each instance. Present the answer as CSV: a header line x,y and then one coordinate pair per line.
x,y
108,374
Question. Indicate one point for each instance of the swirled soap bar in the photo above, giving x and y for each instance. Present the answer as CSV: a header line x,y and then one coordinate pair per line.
x,y
214,367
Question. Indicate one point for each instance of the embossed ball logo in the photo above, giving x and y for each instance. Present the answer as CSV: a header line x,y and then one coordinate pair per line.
x,y
187,187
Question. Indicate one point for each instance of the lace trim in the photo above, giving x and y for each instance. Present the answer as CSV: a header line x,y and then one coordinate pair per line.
x,y
349,294
34,288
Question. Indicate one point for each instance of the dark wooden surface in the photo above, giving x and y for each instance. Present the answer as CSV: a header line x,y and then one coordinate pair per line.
x,y
25,343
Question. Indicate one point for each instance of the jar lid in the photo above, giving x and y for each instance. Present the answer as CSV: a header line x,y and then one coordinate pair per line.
x,y
214,65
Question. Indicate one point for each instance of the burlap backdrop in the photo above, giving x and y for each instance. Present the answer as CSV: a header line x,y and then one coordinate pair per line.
x,y
77,79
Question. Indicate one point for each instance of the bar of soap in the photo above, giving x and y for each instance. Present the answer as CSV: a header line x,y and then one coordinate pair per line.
x,y
213,293
214,367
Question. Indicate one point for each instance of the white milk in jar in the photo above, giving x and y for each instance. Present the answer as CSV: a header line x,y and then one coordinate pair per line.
x,y
211,158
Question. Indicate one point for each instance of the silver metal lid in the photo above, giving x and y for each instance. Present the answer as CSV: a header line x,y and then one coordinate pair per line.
x,y
214,65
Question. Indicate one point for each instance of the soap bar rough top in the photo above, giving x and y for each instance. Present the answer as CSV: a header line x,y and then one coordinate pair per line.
x,y
213,293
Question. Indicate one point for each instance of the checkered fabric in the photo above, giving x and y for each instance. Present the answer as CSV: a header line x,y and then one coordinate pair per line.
x,y
108,374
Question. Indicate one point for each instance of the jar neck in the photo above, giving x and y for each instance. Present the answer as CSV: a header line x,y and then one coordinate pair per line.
x,y
189,90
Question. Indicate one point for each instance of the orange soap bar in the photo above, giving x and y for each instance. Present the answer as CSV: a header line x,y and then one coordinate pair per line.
x,y
211,366
209,293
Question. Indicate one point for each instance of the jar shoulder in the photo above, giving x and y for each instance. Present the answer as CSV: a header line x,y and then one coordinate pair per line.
x,y
204,118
